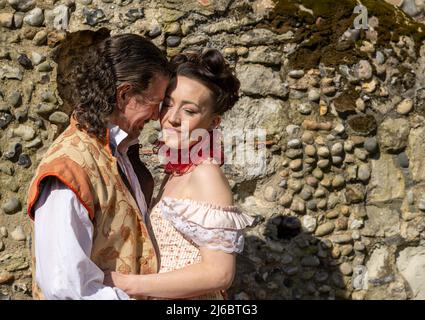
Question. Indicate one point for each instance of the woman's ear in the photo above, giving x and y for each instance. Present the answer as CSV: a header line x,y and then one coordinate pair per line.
x,y
122,95
215,122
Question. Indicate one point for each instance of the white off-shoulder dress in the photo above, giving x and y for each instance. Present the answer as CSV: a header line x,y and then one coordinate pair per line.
x,y
181,226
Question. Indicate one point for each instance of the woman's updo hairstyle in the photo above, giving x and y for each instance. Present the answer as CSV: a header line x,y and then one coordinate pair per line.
x,y
211,69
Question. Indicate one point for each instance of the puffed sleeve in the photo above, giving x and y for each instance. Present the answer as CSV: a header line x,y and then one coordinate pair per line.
x,y
208,225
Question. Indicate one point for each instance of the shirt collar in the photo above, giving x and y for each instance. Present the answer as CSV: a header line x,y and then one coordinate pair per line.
x,y
117,137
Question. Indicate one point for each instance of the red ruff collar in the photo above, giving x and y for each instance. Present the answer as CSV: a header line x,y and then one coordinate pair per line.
x,y
180,168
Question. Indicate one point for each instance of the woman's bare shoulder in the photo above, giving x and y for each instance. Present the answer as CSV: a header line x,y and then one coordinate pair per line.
x,y
208,183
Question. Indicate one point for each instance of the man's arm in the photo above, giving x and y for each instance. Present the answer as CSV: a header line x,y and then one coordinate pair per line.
x,y
63,244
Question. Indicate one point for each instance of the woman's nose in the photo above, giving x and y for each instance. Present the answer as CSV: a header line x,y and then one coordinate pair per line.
x,y
174,118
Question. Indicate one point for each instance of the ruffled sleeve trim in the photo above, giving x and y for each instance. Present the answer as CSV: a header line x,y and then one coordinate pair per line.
x,y
207,225
208,215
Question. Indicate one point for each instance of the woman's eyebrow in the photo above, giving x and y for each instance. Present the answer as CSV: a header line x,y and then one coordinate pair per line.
x,y
189,102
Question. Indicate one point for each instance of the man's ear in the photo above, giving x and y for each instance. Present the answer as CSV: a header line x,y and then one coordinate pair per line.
x,y
122,95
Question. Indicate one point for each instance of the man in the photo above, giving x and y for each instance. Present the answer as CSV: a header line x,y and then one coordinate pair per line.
x,y
90,193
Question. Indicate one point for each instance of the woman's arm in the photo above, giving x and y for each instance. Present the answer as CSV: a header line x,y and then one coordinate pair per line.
x,y
215,272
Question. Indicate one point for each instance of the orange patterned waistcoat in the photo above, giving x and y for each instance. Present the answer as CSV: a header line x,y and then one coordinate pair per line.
x,y
121,241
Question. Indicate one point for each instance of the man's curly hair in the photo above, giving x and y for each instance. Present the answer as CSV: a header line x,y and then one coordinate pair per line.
x,y
123,58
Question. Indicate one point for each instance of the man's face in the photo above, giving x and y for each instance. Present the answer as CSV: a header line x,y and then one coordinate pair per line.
x,y
138,109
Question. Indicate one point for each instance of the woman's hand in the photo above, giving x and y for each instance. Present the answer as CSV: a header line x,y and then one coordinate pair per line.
x,y
115,279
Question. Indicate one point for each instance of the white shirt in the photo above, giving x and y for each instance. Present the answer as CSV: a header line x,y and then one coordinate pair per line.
x,y
64,236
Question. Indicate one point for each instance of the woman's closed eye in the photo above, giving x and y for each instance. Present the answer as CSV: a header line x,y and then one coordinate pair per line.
x,y
189,111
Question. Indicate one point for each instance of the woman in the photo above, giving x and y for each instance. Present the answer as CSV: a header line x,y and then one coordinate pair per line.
x,y
197,228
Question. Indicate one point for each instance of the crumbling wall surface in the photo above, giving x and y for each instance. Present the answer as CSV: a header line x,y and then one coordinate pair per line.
x,y
341,201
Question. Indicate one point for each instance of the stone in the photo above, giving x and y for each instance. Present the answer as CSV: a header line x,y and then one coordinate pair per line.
x,y
306,193
359,246
405,106
361,154
348,146
294,143
3,232
18,234
37,58
323,152
173,41
263,55
325,229
310,150
298,206
294,153
260,36
5,119
25,61
307,137
11,206
360,277
24,160
270,194
40,38
346,269
93,17
58,18
18,19
409,261
377,264
2,246
387,181
44,67
8,72
6,20
310,261
22,5
362,125
341,223
324,163
338,182
15,99
410,7
292,130
259,80
393,134
6,277
27,133
403,160
13,151
416,153
295,185
285,200
34,143
59,118
363,70
7,168
337,149
341,238
35,17
354,193
385,220
296,74
313,95
356,224
363,173
296,165
371,145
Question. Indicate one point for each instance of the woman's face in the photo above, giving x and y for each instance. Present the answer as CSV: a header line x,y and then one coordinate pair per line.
x,y
187,106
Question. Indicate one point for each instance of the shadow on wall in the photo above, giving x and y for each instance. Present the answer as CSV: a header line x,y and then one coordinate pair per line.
x,y
288,264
